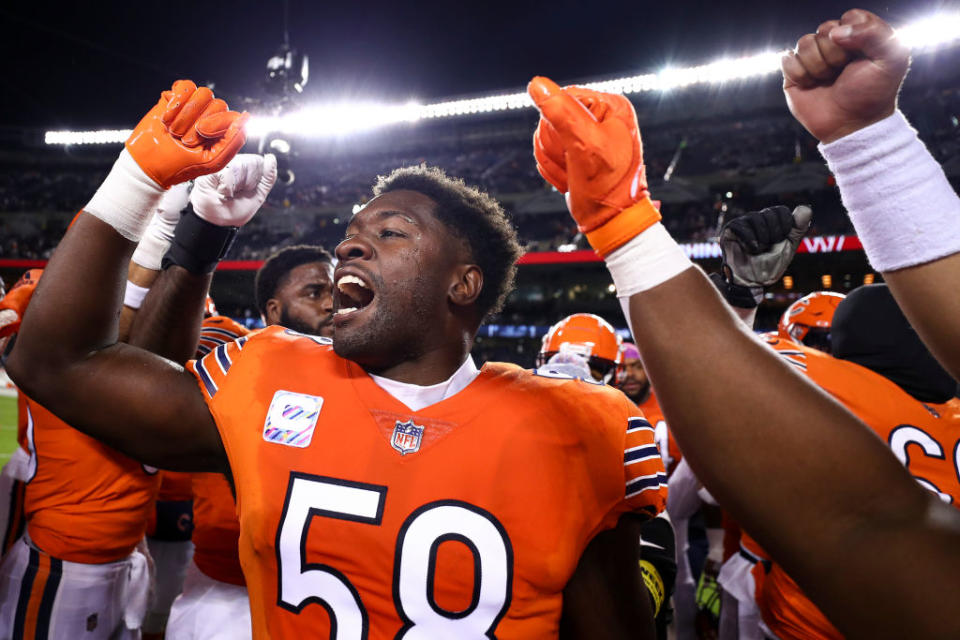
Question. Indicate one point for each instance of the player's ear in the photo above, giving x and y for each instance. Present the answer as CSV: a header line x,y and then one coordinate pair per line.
x,y
273,312
466,286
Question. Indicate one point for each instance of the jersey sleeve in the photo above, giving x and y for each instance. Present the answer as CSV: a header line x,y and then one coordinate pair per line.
x,y
211,370
218,331
645,480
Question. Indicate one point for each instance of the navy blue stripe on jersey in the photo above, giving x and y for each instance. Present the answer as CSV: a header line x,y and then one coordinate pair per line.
x,y
223,360
241,342
26,586
790,352
202,350
636,424
205,378
215,340
229,335
645,483
639,454
799,365
44,613
749,556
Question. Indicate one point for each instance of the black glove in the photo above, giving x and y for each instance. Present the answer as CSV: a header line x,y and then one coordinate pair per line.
x,y
758,246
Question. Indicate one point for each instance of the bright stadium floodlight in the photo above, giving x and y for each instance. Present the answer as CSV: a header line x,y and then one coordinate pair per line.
x,y
938,30
107,136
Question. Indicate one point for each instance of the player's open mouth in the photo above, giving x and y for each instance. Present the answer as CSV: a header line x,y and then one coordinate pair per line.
x,y
353,295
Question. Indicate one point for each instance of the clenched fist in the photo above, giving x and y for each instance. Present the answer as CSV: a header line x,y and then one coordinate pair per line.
x,y
845,76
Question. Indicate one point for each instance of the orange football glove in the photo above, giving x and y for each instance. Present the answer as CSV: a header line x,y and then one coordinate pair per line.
x,y
588,146
187,134
14,304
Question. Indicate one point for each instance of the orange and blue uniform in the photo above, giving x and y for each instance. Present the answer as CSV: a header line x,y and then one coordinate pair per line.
x,y
467,517
923,436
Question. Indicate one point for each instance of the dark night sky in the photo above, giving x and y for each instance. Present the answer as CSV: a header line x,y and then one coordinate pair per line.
x,y
96,64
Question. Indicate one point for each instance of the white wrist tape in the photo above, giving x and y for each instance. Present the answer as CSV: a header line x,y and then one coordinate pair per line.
x,y
154,243
134,295
652,258
898,198
127,198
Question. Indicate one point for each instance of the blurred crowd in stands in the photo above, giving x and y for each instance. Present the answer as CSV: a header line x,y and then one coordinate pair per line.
x,y
700,170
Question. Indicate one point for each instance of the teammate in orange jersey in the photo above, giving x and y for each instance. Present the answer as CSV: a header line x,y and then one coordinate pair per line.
x,y
808,320
385,486
295,285
587,347
633,381
16,471
884,374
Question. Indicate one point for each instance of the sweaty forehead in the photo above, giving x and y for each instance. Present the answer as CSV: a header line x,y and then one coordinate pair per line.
x,y
417,206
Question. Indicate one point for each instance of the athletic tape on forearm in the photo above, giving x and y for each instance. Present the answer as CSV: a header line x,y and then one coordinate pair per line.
x,y
898,197
154,243
134,295
127,198
651,258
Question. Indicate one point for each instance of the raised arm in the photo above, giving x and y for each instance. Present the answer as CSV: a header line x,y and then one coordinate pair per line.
x,y
841,83
169,320
67,357
812,483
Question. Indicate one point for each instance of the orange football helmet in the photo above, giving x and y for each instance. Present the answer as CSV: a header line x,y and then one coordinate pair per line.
x,y
589,336
809,319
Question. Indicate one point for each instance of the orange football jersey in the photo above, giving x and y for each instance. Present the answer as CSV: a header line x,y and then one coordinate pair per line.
x,y
216,529
665,441
464,519
84,502
925,438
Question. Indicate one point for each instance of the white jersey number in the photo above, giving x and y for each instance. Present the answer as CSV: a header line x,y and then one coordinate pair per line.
x,y
905,435
301,583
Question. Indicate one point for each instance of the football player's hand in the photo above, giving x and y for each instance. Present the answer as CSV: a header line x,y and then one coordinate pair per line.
x,y
845,76
758,246
188,133
588,146
231,196
156,239
14,304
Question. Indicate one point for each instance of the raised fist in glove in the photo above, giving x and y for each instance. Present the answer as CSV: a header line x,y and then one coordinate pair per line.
x,y
14,304
231,196
222,203
758,246
188,133
588,146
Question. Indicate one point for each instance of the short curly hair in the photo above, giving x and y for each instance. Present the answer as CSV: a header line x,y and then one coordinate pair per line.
x,y
270,276
474,217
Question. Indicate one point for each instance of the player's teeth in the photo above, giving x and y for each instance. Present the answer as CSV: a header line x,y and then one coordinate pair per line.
x,y
341,312
350,280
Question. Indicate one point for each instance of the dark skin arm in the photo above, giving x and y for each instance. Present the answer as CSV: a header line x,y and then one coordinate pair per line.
x,y
915,288
169,322
813,484
605,598
141,404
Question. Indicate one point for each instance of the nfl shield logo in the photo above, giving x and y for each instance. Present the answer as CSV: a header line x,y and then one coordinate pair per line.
x,y
406,437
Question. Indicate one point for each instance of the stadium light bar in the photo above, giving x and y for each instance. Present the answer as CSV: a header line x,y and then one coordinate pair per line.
x,y
942,29
107,136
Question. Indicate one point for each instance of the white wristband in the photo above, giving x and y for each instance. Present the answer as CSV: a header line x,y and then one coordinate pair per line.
x,y
134,295
127,198
898,198
651,258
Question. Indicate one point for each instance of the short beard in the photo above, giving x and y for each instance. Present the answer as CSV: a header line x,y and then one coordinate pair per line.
x,y
380,344
288,321
641,395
